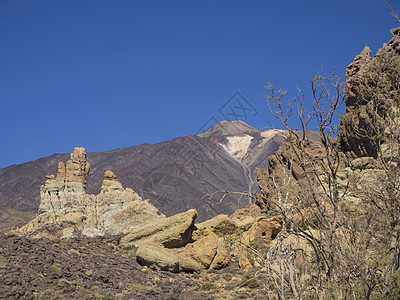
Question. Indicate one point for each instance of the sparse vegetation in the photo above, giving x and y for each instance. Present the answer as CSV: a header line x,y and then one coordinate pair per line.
x,y
248,279
341,235
2,262
49,295
209,286
54,269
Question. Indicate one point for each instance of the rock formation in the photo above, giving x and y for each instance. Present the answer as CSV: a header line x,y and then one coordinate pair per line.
x,y
172,232
63,199
370,85
173,244
207,247
284,167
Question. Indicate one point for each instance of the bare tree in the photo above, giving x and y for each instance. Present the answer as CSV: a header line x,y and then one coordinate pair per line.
x,y
394,13
315,216
350,227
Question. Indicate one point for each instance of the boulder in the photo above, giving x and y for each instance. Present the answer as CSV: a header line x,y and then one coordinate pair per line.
x,y
203,250
205,253
221,259
208,250
220,225
171,232
156,256
363,163
264,230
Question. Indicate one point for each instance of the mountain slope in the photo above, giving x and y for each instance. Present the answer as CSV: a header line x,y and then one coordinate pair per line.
x,y
174,174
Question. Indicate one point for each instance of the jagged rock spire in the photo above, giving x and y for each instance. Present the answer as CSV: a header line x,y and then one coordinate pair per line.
x,y
111,183
63,200
76,170
358,100
70,178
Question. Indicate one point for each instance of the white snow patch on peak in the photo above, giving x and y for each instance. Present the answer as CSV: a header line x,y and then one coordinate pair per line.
x,y
267,134
237,145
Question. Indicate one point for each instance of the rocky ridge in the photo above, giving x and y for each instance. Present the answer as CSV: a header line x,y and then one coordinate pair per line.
x,y
368,80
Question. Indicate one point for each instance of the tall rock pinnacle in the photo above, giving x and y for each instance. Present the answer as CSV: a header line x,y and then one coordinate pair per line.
x,y
64,202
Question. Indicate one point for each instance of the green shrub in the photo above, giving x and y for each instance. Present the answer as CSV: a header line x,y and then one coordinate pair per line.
x,y
249,280
209,286
49,295
227,276
2,262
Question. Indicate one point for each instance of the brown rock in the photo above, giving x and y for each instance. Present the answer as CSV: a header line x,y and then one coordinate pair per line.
x,y
244,262
203,250
357,135
207,251
220,225
221,259
285,167
362,163
152,255
61,172
111,183
248,211
76,170
264,230
172,232
158,257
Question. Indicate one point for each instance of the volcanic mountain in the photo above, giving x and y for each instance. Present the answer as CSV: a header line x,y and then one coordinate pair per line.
x,y
175,175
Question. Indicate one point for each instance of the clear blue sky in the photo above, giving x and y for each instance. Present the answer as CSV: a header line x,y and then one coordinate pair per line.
x,y
112,74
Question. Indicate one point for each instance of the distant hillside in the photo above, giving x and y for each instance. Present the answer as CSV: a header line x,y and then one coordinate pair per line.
x,y
173,174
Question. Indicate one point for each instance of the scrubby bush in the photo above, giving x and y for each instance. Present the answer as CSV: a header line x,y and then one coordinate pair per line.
x,y
249,280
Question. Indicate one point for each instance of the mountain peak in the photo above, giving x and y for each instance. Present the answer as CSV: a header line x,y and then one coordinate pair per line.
x,y
225,128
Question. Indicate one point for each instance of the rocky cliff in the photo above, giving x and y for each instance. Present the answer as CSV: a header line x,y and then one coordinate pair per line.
x,y
63,200
342,195
372,87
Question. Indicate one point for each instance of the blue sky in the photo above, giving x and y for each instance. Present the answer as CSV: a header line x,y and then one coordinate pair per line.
x,y
113,74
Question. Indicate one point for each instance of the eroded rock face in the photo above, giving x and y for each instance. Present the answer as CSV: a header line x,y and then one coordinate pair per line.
x,y
111,183
366,89
285,168
206,252
171,232
115,210
71,177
